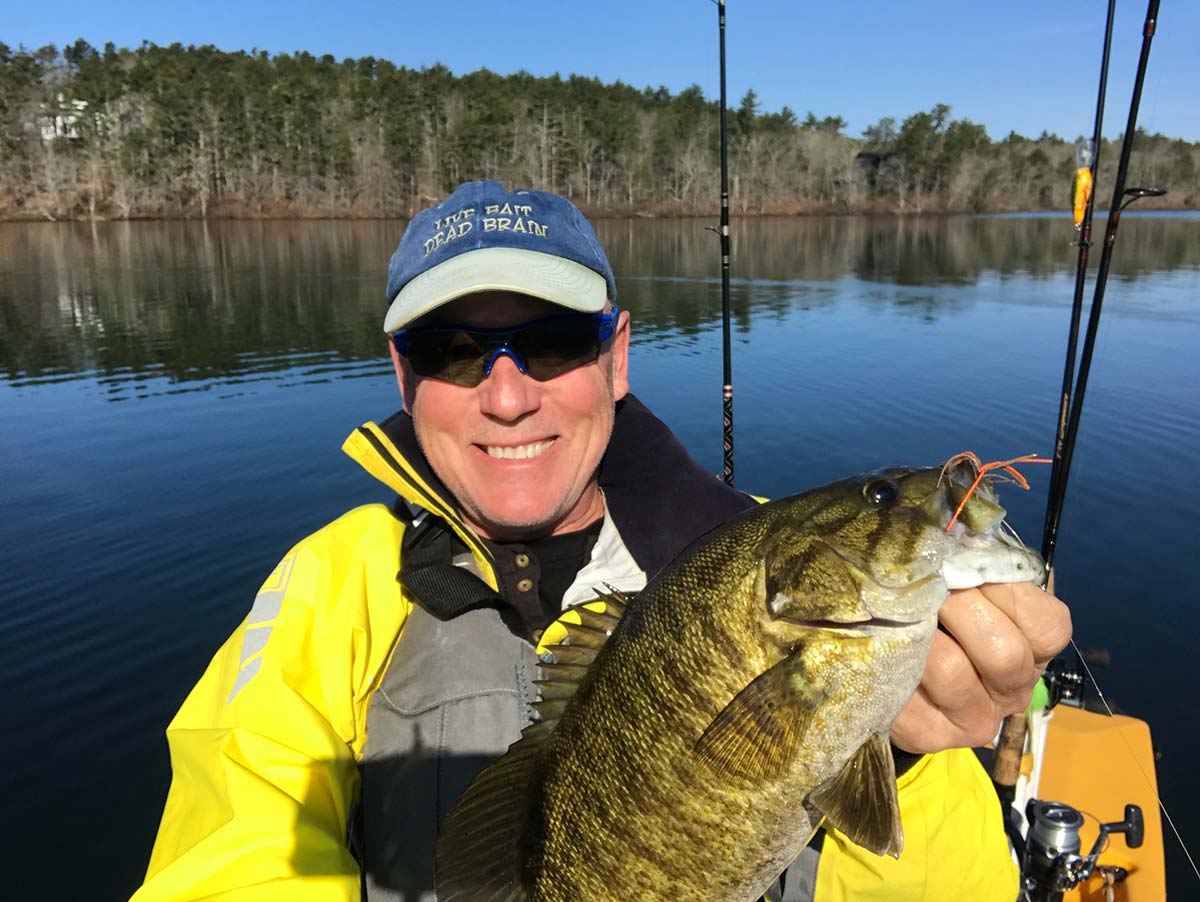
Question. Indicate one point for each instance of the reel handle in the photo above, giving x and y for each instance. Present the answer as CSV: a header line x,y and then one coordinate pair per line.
x,y
1134,826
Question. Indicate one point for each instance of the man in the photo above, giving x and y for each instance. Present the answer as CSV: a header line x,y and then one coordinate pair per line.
x,y
390,655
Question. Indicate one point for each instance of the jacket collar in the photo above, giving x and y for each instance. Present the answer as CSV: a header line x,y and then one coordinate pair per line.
x,y
659,498
390,453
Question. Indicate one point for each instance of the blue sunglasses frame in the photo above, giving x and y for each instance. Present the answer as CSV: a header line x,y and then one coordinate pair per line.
x,y
500,340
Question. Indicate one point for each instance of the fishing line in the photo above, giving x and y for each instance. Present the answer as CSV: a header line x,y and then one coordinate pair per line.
x,y
1133,755
1150,784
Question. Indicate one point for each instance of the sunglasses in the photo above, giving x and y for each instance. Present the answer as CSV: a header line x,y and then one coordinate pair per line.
x,y
541,349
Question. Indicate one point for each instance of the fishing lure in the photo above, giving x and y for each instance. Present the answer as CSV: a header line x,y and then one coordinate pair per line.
x,y
1081,193
981,469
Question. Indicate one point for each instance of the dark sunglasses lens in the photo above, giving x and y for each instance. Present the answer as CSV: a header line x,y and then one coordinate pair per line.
x,y
450,356
546,349
553,348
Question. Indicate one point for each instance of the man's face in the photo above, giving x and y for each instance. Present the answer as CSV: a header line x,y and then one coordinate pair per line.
x,y
470,435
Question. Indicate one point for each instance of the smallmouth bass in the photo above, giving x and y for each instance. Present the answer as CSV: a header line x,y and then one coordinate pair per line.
x,y
744,694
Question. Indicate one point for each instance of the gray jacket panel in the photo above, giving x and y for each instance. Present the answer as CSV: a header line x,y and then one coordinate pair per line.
x,y
456,696
799,882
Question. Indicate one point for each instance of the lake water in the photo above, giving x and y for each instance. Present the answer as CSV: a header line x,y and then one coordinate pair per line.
x,y
173,398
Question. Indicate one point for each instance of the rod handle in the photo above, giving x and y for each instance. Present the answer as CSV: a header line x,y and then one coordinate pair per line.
x,y
1006,765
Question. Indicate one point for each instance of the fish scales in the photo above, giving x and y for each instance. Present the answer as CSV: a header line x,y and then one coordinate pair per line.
x,y
744,694
632,743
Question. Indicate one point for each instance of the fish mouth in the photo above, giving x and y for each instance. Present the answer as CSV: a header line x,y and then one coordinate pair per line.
x,y
960,559
994,556
857,626
988,551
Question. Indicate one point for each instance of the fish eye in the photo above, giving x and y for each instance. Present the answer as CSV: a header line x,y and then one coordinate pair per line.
x,y
881,492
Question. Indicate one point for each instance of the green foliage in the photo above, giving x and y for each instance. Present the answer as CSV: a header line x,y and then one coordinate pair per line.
x,y
196,131
747,114
882,135
832,125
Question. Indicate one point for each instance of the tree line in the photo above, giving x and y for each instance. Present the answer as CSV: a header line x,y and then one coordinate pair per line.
x,y
199,132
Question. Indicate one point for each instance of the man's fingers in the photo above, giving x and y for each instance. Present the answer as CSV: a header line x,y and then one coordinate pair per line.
x,y
924,727
1042,619
952,684
996,640
921,727
993,644
951,708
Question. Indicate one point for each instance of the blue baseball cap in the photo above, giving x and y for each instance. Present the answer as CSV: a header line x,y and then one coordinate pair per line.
x,y
483,238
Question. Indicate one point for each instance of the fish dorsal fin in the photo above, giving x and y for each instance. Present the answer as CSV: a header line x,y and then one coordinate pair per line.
x,y
757,734
480,855
861,800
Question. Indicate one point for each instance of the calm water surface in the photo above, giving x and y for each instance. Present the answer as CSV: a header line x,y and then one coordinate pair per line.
x,y
173,398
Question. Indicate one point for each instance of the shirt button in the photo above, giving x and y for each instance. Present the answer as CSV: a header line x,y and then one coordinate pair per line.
x,y
522,560
524,585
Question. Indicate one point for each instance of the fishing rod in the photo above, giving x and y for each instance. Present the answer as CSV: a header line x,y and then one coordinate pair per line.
x,y
1006,764
1012,736
1011,742
1085,241
1121,198
727,372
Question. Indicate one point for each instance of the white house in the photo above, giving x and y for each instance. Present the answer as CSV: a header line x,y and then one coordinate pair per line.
x,y
61,120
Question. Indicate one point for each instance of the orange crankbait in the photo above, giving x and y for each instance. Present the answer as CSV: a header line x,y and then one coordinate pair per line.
x,y
981,469
1080,193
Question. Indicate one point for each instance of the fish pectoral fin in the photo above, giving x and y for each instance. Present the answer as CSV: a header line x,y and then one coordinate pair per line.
x,y
756,735
479,856
861,800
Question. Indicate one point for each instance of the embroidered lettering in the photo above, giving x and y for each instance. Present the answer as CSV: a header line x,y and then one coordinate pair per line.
x,y
448,234
464,213
509,224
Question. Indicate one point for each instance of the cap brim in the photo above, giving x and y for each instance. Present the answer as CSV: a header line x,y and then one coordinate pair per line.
x,y
545,276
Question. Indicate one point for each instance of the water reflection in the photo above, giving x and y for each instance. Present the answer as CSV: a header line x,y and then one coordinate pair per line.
x,y
138,533
189,302
150,308
903,250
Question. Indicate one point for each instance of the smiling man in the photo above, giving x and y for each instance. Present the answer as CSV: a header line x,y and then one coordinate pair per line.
x,y
518,454
391,655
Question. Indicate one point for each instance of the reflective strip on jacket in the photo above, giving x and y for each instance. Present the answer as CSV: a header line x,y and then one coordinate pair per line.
x,y
265,749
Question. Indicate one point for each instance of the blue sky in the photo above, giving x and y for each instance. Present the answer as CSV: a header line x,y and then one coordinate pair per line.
x,y
1026,65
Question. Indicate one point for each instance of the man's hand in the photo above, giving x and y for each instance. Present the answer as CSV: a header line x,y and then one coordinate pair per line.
x,y
983,665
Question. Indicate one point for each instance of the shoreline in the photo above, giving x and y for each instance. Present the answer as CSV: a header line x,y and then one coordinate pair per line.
x,y
780,210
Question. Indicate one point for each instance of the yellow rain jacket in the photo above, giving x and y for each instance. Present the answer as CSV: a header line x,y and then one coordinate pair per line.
x,y
265,749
